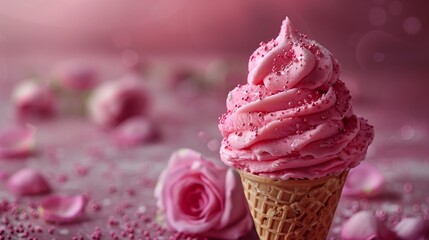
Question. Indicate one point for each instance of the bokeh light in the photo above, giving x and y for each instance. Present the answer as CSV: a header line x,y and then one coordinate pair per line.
x,y
412,25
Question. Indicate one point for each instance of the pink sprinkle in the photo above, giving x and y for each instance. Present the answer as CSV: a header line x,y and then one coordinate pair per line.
x,y
62,209
408,187
381,215
112,189
28,182
62,178
112,221
130,191
96,206
51,230
81,170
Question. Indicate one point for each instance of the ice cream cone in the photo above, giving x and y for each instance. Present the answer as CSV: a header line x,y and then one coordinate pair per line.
x,y
292,209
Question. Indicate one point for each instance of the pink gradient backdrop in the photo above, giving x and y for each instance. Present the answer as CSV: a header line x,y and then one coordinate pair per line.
x,y
192,26
381,44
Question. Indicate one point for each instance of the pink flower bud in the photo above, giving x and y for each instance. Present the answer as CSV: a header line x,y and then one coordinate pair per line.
x,y
33,100
116,101
76,76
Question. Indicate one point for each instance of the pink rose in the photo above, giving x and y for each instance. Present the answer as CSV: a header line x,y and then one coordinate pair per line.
x,y
76,76
33,100
201,198
116,101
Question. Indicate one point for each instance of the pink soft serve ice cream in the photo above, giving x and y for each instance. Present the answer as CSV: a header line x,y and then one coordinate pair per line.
x,y
293,119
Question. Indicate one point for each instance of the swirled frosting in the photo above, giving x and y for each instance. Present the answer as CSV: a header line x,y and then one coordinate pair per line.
x,y
293,119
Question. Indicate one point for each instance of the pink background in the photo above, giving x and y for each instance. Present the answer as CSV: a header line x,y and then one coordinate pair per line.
x,y
382,46
194,27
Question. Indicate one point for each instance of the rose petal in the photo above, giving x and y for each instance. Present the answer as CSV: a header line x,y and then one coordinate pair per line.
x,y
28,182
180,185
33,100
364,225
134,131
17,141
412,228
363,181
62,209
116,101
235,221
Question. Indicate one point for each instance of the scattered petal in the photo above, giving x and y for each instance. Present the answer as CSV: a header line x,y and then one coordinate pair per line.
x,y
62,209
365,226
134,131
28,182
411,228
363,181
33,100
17,141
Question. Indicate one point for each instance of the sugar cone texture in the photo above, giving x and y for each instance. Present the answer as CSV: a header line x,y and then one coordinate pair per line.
x,y
292,209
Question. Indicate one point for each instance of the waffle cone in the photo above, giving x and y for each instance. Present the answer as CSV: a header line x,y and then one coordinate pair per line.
x,y
292,209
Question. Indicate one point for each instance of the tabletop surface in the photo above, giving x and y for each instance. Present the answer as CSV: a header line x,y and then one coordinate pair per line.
x,y
79,158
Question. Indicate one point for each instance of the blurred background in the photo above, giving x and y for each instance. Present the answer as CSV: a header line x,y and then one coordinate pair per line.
x,y
381,44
